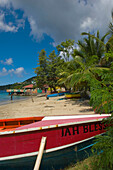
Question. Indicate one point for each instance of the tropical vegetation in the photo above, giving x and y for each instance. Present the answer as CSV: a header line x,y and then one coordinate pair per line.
x,y
85,66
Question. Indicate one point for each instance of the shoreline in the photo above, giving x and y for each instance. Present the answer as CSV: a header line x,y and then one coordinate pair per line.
x,y
40,106
12,101
5,98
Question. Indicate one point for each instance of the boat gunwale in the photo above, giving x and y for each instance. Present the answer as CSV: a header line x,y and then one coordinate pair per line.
x,y
12,123
50,126
37,118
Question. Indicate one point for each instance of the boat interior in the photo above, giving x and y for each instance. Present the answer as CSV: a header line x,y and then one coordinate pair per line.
x,y
10,124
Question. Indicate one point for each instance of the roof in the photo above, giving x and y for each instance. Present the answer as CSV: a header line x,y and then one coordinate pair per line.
x,y
30,86
46,86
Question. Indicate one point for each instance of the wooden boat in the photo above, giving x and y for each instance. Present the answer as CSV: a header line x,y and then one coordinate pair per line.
x,y
56,94
69,139
72,95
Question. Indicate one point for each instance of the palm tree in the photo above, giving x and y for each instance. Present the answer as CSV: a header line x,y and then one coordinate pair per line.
x,y
103,47
109,44
85,65
95,44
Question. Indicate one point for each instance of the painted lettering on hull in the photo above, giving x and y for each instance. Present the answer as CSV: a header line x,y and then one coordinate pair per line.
x,y
85,128
66,131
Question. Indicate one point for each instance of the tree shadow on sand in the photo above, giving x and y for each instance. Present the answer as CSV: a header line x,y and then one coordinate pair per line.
x,y
48,106
80,102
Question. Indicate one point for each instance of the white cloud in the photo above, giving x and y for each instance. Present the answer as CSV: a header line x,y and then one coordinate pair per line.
x,y
19,71
64,19
88,23
7,61
6,27
37,34
53,44
4,3
3,72
7,24
11,72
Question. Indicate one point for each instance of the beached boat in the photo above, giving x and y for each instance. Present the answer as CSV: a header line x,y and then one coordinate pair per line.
x,y
72,95
68,139
56,94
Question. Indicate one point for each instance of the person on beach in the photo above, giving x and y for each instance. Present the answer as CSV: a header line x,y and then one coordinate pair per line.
x,y
11,96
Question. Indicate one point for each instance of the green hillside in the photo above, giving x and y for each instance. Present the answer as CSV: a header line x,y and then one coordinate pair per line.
x,y
18,85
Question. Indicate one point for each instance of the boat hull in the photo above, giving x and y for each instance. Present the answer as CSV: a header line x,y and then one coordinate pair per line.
x,y
68,140
57,94
70,96
53,160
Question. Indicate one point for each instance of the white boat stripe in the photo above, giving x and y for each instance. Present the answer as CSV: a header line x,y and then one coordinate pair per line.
x,y
71,117
45,151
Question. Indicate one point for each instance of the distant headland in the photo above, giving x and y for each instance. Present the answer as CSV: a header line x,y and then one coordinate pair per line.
x,y
17,85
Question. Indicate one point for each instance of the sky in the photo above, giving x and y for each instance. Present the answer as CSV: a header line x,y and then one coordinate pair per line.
x,y
27,27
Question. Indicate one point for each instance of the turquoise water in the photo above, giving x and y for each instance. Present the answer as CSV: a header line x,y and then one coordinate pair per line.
x,y
6,98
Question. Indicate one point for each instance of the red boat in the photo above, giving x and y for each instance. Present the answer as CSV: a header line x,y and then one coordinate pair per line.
x,y
69,139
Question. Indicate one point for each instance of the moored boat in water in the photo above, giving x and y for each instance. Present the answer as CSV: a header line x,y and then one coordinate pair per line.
x,y
69,139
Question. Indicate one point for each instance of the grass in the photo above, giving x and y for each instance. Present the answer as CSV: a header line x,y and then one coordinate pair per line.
x,y
87,164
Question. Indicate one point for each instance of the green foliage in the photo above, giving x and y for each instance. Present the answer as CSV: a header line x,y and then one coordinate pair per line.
x,y
109,59
102,88
94,45
41,70
29,81
18,85
103,151
87,60
66,48
109,44
102,101
54,67
48,69
102,94
90,67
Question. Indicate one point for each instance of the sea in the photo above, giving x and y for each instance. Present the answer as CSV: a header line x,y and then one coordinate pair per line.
x,y
5,98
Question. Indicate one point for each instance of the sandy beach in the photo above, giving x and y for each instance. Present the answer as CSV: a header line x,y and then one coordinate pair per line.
x,y
40,106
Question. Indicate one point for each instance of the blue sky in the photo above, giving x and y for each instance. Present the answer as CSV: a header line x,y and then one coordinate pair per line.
x,y
27,27
18,53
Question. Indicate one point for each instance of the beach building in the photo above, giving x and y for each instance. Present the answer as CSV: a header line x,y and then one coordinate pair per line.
x,y
28,87
26,90
15,91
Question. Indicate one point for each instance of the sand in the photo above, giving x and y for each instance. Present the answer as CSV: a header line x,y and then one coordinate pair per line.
x,y
40,106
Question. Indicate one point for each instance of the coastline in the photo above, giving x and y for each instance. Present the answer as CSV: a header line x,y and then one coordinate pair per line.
x,y
12,101
5,98
40,106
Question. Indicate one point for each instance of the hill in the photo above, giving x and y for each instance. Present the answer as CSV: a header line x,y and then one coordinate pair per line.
x,y
18,85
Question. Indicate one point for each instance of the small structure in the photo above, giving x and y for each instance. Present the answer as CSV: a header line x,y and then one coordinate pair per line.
x,y
15,91
30,87
25,91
